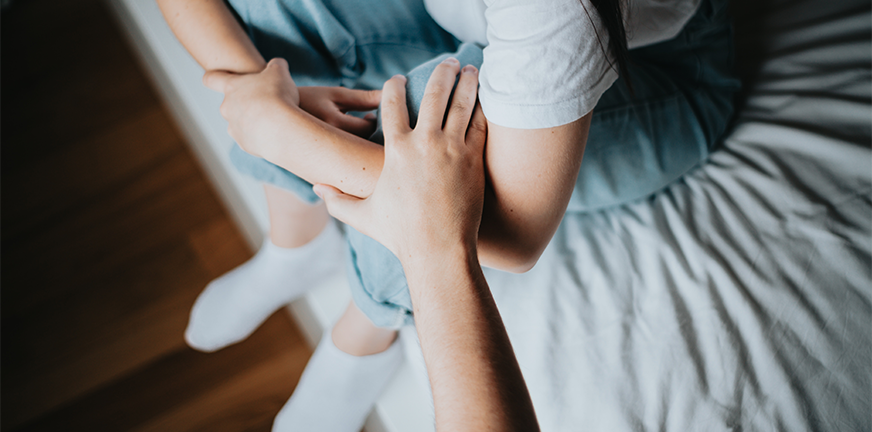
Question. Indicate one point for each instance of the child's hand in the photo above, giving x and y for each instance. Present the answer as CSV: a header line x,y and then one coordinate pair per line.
x,y
428,199
252,100
255,102
330,105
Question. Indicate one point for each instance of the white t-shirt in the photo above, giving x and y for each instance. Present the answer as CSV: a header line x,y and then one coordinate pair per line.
x,y
545,61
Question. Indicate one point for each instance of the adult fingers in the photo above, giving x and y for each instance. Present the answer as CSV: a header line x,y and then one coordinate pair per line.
x,y
395,112
476,134
357,100
346,208
462,103
436,95
217,80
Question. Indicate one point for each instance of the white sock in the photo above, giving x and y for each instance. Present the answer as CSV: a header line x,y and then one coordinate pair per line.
x,y
234,305
337,389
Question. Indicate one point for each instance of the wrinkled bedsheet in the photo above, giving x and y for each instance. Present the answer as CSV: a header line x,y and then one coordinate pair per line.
x,y
741,297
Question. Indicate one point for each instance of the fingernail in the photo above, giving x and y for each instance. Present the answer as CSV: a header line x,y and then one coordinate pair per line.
x,y
451,60
469,69
400,77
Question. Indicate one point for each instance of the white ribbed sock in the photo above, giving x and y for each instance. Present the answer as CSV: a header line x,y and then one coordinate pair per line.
x,y
234,305
337,389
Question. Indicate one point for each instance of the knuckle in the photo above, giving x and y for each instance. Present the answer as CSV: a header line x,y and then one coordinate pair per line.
x,y
447,66
432,105
396,99
393,83
459,105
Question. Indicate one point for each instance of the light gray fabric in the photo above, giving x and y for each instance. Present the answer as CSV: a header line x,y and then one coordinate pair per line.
x,y
739,298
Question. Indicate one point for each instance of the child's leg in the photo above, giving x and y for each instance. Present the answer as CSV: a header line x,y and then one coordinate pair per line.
x,y
355,334
344,377
303,247
293,222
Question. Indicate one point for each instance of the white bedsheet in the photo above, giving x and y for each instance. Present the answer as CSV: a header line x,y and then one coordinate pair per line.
x,y
739,298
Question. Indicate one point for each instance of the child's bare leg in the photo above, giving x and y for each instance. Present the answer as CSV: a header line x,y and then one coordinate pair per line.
x,y
303,247
355,334
344,377
292,222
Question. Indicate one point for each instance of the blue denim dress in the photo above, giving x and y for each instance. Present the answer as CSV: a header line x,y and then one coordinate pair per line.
x,y
638,143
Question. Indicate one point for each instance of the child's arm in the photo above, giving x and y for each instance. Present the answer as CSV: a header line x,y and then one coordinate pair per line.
x,y
531,182
208,30
532,172
327,154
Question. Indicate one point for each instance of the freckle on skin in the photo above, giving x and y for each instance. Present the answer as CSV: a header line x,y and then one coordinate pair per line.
x,y
364,168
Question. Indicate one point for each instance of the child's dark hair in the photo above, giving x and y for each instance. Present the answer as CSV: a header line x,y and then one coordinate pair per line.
x,y
610,14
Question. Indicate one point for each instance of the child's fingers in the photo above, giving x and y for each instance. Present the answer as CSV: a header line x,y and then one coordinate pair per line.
x,y
395,112
436,95
462,103
361,127
357,100
217,80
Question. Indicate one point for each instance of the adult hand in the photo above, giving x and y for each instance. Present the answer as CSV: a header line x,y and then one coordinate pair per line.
x,y
428,199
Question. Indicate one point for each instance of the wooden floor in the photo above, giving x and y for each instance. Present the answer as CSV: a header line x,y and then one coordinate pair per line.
x,y
109,232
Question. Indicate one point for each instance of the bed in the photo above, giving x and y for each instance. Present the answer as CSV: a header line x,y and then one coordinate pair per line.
x,y
739,298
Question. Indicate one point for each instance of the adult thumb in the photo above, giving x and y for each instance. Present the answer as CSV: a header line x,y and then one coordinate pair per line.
x,y
346,208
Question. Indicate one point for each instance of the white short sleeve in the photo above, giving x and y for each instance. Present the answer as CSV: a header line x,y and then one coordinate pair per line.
x,y
544,64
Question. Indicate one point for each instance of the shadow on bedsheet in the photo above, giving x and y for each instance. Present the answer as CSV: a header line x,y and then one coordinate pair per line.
x,y
768,29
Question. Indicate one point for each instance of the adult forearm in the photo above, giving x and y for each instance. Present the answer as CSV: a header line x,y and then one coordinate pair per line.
x,y
475,378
